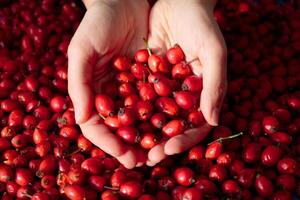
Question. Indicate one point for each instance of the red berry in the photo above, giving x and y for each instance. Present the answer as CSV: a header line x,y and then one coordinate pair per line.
x,y
157,64
270,125
173,128
175,55
263,186
192,83
158,120
185,100
213,150
181,71
184,176
230,187
24,177
131,190
287,166
121,63
167,106
104,105
126,116
271,155
6,173
141,56
192,193
75,192
148,140
128,134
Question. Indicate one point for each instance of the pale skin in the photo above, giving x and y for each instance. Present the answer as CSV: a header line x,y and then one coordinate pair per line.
x,y
117,27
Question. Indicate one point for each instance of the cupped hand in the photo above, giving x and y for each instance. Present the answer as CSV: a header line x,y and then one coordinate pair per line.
x,y
191,24
109,28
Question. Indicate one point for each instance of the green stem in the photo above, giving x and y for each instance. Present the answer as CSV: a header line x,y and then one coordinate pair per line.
x,y
227,138
147,46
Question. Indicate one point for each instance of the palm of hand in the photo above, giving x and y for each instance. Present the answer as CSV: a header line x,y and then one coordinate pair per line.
x,y
108,29
191,25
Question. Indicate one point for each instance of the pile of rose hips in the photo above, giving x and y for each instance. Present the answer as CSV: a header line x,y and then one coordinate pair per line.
x,y
151,98
44,155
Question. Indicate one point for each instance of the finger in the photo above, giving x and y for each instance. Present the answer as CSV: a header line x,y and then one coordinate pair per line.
x,y
158,39
156,154
100,136
185,141
79,76
213,59
133,157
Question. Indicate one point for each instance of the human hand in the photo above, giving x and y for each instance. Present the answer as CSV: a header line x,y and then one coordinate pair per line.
x,y
191,24
109,28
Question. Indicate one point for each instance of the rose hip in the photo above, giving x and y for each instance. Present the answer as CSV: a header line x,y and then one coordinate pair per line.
x,y
131,189
104,105
184,176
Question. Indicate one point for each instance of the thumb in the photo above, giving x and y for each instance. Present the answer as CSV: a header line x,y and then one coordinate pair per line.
x,y
79,77
214,72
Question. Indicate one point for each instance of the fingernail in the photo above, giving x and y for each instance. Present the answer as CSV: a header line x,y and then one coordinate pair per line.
x,y
215,117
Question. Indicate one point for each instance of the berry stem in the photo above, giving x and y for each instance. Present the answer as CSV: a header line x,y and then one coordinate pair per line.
x,y
101,116
111,188
147,46
226,138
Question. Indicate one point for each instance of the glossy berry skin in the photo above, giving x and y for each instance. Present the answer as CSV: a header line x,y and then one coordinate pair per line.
x,y
287,166
175,55
181,71
126,116
139,71
148,140
24,177
131,100
128,134
158,120
143,110
131,190
281,138
252,153
58,104
96,182
141,55
147,92
271,155
112,122
167,105
192,193
40,196
104,105
207,187
173,128
213,150
184,176
246,177
6,173
263,186
217,173
230,187
192,83
270,125
185,100
92,166
157,64
162,87
121,63
196,118
196,153
75,192
124,77
286,182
